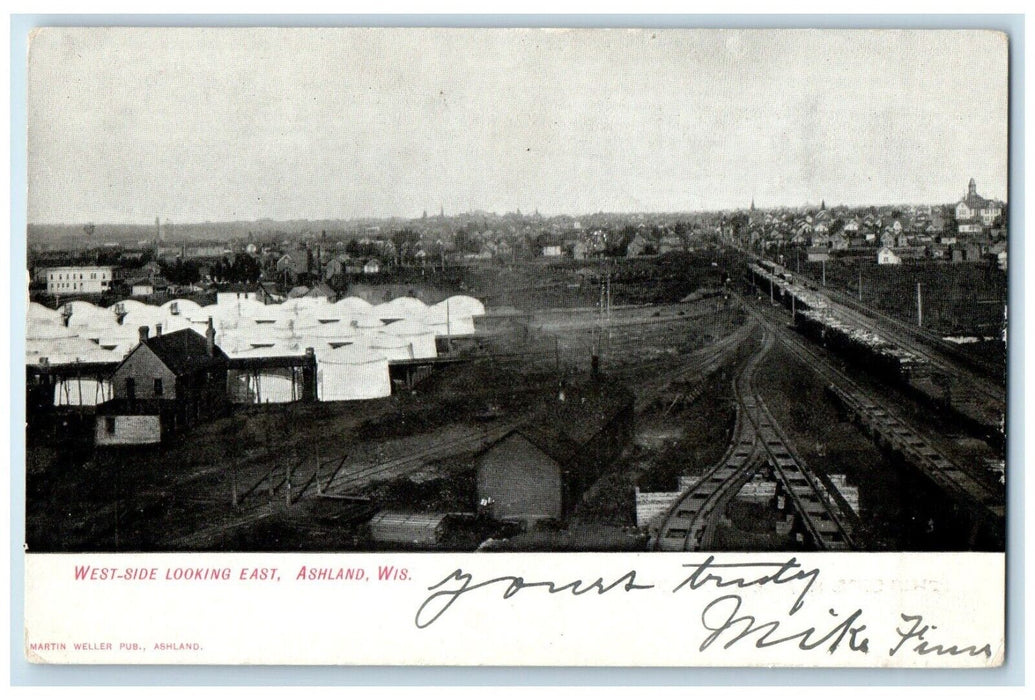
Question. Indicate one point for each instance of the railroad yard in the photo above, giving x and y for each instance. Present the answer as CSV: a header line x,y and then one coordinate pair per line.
x,y
765,412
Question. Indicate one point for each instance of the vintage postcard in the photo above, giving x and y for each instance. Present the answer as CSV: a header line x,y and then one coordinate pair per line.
x,y
574,347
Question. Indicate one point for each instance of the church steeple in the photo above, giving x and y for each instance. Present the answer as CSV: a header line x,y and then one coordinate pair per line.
x,y
972,188
752,204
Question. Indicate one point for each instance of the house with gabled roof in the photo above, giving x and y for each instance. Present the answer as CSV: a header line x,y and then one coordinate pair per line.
x,y
540,470
886,256
165,384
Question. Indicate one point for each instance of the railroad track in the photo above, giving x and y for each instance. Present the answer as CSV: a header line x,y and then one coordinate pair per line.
x,y
699,365
922,338
356,475
334,476
982,389
921,341
976,398
758,441
884,423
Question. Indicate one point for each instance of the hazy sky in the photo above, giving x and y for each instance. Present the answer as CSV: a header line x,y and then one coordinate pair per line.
x,y
218,124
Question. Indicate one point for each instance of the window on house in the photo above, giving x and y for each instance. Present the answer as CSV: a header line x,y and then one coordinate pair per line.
x,y
109,424
158,387
131,388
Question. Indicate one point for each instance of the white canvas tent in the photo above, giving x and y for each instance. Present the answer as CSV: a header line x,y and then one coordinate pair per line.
x,y
351,373
417,335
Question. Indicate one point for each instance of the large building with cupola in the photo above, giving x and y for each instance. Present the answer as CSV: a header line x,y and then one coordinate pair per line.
x,y
975,213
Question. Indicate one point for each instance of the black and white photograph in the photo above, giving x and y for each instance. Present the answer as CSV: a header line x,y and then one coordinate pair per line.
x,y
504,290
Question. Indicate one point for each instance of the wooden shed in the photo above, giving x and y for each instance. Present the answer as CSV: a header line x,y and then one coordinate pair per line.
x,y
541,469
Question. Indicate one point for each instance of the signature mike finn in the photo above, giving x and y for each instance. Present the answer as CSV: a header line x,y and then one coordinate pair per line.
x,y
728,619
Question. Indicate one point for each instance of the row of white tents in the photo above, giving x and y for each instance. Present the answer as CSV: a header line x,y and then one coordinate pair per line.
x,y
353,340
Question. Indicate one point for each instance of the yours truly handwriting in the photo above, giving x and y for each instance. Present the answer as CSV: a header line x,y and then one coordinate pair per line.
x,y
441,600
707,573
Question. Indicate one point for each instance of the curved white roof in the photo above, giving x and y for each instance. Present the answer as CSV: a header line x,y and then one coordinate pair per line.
x,y
463,305
341,329
47,330
118,333
366,321
302,304
400,307
437,315
39,312
86,314
407,326
277,349
354,304
184,307
80,307
127,305
305,320
144,316
66,351
218,312
383,340
352,355
247,307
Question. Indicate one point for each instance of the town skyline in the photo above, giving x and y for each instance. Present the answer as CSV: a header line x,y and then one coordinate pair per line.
x,y
757,206
213,126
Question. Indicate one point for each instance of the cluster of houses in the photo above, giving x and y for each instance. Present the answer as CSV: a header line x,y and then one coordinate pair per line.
x,y
973,230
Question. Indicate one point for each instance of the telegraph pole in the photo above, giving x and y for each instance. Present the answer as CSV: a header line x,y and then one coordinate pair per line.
x,y
919,308
609,311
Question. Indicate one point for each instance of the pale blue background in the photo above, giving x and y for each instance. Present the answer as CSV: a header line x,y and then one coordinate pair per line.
x,y
1012,673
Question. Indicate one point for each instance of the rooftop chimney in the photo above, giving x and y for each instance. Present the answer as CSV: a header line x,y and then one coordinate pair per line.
x,y
210,339
158,329
144,332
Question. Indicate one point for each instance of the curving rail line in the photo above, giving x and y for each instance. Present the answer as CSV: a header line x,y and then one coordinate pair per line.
x,y
758,440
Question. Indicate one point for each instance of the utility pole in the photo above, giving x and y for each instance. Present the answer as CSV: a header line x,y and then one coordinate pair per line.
x,y
449,330
824,261
860,284
919,308
316,478
609,312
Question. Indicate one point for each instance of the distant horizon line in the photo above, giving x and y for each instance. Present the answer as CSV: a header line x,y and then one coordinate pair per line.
x,y
390,217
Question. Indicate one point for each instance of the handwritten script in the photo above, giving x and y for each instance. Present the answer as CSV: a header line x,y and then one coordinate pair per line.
x,y
726,619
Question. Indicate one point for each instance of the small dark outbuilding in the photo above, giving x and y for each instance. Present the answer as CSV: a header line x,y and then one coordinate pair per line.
x,y
540,470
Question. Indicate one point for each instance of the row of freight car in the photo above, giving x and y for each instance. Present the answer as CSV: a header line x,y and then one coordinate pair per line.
x,y
820,320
